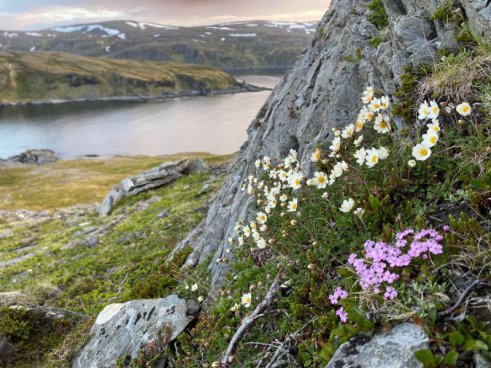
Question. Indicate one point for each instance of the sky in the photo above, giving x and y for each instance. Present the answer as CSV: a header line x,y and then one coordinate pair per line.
x,y
41,14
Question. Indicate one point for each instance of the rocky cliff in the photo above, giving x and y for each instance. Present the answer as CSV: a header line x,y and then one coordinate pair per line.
x,y
322,91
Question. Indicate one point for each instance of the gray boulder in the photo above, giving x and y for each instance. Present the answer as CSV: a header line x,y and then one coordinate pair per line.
x,y
154,178
394,349
34,157
121,331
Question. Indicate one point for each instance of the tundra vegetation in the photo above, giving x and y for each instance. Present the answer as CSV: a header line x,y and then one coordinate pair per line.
x,y
393,225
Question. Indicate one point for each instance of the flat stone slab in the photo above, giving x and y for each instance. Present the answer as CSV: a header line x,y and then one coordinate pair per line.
x,y
121,331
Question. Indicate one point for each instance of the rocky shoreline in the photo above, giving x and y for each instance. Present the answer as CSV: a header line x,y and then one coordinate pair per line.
x,y
240,88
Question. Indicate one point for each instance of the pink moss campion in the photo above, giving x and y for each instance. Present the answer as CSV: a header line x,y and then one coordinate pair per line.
x,y
382,263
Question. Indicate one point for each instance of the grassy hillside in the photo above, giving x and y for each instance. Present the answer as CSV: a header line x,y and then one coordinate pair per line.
x,y
230,46
123,262
83,181
46,75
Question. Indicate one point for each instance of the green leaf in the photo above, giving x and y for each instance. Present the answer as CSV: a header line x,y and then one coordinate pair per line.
x,y
426,357
345,272
475,345
451,358
456,338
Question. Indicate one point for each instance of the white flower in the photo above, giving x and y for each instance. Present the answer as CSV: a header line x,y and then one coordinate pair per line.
x,y
424,111
359,212
372,157
383,153
367,95
261,243
200,298
435,126
240,239
296,181
282,175
337,133
283,198
358,141
434,110
261,217
320,180
348,131
360,156
375,105
316,155
347,205
464,109
430,138
336,144
411,163
293,205
359,125
257,163
246,300
194,287
325,195
235,308
421,152
337,170
385,102
246,231
263,228
382,124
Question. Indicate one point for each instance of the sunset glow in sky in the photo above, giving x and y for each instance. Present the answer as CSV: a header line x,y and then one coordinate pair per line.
x,y
40,14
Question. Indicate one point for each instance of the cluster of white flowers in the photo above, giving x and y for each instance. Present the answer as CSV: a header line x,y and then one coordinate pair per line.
x,y
375,108
287,177
429,113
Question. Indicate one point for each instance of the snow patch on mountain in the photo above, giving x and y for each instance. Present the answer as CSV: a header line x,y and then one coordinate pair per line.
x,y
221,28
145,25
242,34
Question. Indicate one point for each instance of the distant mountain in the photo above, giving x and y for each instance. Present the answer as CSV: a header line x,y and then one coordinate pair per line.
x,y
229,46
47,76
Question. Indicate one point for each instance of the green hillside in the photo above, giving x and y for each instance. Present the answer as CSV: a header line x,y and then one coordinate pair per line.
x,y
26,77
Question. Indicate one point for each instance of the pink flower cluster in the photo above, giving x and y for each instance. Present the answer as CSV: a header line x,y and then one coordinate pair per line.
x,y
379,266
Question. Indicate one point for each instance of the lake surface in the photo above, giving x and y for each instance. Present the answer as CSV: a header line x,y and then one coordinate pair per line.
x,y
215,124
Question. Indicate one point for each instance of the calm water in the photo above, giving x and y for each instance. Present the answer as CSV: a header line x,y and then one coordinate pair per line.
x,y
215,124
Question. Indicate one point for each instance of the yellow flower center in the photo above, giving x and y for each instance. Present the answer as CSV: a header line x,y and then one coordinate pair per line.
x,y
376,106
374,159
423,152
383,125
321,180
433,140
465,109
297,181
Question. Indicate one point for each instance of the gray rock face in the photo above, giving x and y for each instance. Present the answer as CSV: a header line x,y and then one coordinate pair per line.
x,y
122,330
152,179
394,349
322,91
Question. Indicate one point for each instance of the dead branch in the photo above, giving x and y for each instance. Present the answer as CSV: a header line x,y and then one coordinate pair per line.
x,y
285,348
249,320
463,297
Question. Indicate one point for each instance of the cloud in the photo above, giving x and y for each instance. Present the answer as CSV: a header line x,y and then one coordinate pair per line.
x,y
38,14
